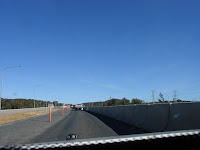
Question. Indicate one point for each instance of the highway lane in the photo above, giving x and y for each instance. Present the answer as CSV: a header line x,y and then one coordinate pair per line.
x,y
81,123
85,125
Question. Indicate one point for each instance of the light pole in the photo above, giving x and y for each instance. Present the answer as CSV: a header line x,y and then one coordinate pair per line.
x,y
46,97
34,94
2,80
34,97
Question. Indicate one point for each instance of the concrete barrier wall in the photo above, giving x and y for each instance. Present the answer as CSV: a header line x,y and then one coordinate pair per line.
x,y
184,116
155,117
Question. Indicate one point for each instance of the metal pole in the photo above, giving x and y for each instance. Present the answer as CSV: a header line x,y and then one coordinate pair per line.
x,y
46,98
1,89
2,81
46,101
174,95
153,96
34,97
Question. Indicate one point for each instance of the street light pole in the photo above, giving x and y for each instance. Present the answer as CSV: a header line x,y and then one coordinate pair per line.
x,y
34,97
46,98
1,89
2,80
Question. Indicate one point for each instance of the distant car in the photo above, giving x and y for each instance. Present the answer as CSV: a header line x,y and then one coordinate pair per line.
x,y
79,106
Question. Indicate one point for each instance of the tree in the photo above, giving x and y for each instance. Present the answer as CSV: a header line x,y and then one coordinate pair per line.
x,y
55,103
125,101
136,101
161,99
111,102
18,104
8,106
23,103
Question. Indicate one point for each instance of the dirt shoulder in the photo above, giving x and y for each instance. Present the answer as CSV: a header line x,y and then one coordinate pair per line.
x,y
13,115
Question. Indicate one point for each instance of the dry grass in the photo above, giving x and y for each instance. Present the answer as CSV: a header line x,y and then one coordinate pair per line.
x,y
18,116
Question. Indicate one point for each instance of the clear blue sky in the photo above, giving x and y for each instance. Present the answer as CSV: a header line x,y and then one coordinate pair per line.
x,y
78,51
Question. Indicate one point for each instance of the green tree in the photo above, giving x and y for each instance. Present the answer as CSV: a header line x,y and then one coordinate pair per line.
x,y
136,101
18,104
8,106
125,101
55,103
111,102
161,99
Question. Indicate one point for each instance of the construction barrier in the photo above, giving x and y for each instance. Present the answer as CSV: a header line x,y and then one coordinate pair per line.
x,y
155,117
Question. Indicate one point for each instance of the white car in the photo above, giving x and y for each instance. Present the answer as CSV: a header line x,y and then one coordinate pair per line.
x,y
79,106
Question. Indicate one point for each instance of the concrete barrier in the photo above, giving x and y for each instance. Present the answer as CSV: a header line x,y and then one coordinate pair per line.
x,y
155,117
140,115
184,116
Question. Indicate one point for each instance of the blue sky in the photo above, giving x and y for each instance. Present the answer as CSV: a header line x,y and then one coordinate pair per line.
x,y
78,51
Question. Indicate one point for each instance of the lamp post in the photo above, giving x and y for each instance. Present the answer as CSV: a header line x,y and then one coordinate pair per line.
x,y
46,98
34,94
34,98
2,80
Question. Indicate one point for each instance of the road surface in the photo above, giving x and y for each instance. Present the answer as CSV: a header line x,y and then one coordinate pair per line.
x,y
83,124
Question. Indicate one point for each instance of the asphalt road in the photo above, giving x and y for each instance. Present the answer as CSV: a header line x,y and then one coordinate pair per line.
x,y
83,124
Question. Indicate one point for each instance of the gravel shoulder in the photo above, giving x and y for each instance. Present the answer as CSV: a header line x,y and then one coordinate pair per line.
x,y
11,115
20,131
